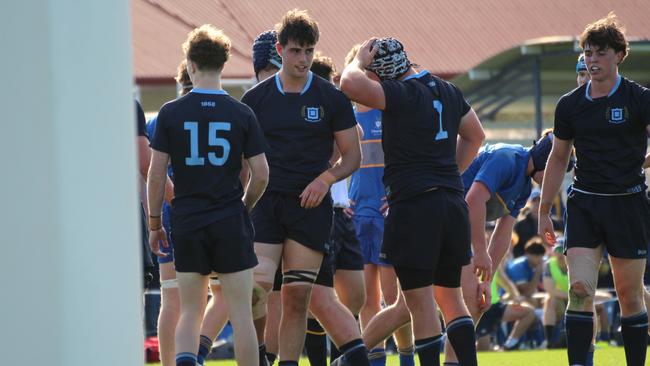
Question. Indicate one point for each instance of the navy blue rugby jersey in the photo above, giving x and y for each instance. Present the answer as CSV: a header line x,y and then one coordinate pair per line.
x,y
299,128
420,126
205,133
609,135
142,124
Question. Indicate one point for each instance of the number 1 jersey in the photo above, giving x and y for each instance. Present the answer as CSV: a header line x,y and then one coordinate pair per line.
x,y
420,126
206,133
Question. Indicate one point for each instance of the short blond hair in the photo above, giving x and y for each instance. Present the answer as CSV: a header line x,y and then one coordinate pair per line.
x,y
323,66
352,54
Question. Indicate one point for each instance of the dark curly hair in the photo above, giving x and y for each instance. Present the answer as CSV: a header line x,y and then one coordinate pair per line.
x,y
299,27
323,66
606,33
208,47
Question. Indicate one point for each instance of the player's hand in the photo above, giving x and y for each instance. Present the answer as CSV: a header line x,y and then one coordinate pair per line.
x,y
366,52
384,206
483,265
545,229
484,296
314,193
155,238
348,211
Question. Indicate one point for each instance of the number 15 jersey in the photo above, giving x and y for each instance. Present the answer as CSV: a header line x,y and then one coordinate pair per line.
x,y
420,126
206,133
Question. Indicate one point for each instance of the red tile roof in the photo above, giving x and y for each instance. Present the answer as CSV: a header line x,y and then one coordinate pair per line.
x,y
446,37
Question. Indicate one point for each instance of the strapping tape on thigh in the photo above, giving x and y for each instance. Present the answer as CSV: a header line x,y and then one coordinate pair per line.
x,y
296,275
173,283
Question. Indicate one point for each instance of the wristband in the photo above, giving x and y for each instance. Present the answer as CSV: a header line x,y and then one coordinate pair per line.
x,y
545,208
155,228
155,222
154,216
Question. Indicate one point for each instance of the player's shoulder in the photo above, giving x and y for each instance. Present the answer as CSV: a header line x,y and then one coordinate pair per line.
x,y
502,150
261,88
174,106
634,88
235,105
426,79
520,262
242,109
324,86
443,83
574,96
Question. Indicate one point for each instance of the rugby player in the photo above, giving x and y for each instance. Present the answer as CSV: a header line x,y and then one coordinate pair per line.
x,y
429,135
204,134
369,205
582,75
497,185
340,279
608,121
301,116
169,304
266,62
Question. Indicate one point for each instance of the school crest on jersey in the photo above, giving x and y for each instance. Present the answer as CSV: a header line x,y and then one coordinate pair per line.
x,y
617,115
312,114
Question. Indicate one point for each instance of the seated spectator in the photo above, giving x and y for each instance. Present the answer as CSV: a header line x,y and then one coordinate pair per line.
x,y
526,226
502,310
526,271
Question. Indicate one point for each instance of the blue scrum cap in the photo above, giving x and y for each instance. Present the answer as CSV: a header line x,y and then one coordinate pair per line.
x,y
581,65
264,52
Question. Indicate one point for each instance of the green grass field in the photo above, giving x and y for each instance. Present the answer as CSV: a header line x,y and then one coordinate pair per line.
x,y
605,356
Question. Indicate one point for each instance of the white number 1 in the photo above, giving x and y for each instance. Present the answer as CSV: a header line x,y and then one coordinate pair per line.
x,y
442,134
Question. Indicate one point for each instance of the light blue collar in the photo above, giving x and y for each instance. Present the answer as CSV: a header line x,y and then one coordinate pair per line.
x,y
416,76
614,89
209,91
278,83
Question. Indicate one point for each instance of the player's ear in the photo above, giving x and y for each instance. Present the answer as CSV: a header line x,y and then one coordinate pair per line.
x,y
619,57
278,48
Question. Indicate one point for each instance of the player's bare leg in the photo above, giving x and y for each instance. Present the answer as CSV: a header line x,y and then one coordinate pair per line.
x,y
338,321
193,291
426,323
469,284
300,266
583,266
372,305
268,257
237,288
403,335
350,288
271,330
459,324
523,315
628,280
387,321
214,319
170,309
